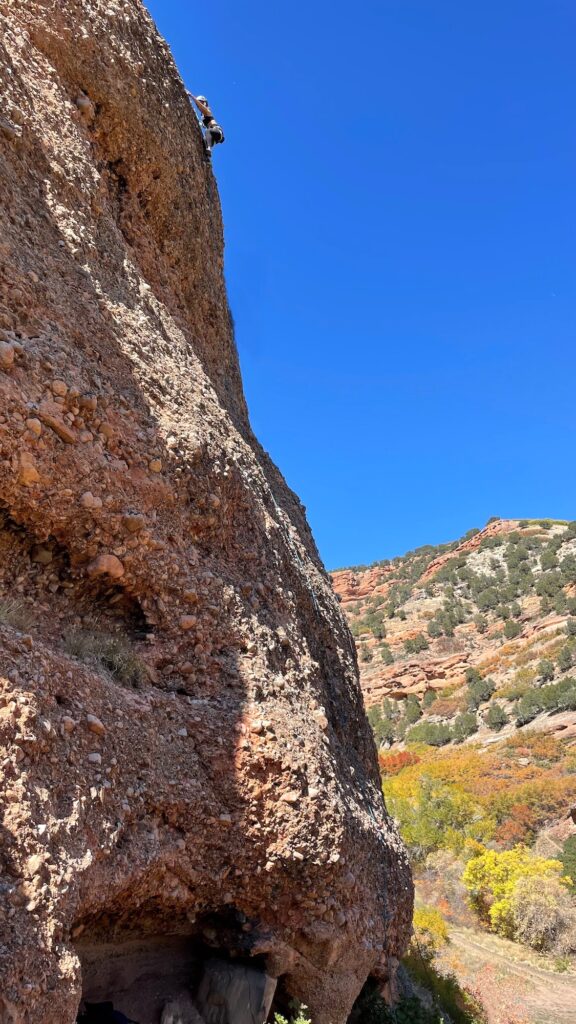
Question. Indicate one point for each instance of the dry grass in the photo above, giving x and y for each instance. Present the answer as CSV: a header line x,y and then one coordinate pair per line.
x,y
110,653
16,613
447,707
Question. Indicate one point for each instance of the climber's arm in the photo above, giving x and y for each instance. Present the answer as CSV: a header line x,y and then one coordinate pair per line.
x,y
201,106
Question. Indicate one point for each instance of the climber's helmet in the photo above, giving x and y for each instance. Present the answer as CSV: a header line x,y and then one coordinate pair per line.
x,y
202,99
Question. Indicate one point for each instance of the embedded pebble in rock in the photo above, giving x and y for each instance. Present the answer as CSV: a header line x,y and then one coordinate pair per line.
x,y
106,565
291,797
41,555
28,474
85,106
89,500
62,430
34,426
9,130
133,494
6,356
134,522
321,718
95,725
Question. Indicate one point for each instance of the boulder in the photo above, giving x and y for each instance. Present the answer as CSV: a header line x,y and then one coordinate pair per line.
x,y
234,994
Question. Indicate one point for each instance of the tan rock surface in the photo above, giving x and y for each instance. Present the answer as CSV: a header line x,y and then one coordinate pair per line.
x,y
229,791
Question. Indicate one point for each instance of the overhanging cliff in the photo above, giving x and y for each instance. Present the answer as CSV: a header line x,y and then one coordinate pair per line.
x,y
185,756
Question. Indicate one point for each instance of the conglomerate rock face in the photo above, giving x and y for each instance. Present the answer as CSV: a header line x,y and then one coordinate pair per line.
x,y
185,756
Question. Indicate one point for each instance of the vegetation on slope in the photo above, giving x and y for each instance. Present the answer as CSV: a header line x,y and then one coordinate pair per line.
x,y
483,811
473,766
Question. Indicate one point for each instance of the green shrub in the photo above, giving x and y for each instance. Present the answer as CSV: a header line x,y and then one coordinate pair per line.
x,y
416,644
412,710
564,659
546,670
386,654
549,583
479,691
370,1008
365,654
560,696
487,599
568,568
571,627
473,676
434,734
299,1016
481,623
465,724
512,629
429,697
568,861
382,726
391,709
548,559
496,718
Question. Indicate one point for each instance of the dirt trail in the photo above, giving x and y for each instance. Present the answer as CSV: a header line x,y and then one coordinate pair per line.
x,y
501,970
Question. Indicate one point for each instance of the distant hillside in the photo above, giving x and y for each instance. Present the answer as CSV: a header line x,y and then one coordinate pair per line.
x,y
472,638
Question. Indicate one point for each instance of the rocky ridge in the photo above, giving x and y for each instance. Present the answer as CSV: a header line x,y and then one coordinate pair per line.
x,y
184,747
497,603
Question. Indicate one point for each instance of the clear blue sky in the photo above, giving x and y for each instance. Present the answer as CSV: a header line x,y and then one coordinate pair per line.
x,y
399,194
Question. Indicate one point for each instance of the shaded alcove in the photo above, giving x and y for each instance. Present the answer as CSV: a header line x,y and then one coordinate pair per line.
x,y
47,593
139,976
140,973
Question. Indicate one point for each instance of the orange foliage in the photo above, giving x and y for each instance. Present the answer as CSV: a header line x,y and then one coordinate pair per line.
x,y
391,764
518,827
522,785
546,748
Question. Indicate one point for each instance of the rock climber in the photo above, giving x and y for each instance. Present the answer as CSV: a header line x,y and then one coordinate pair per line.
x,y
213,132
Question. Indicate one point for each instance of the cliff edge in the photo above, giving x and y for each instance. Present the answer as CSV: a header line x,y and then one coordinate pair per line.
x,y
186,765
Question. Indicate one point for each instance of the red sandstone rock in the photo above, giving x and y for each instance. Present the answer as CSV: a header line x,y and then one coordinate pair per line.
x,y
169,825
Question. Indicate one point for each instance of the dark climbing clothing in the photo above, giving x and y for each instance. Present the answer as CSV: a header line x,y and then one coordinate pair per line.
x,y
216,130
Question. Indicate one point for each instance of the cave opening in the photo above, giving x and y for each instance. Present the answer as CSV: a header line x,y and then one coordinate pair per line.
x,y
200,973
138,977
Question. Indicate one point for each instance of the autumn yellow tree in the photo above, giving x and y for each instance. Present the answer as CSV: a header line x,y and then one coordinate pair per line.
x,y
491,878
